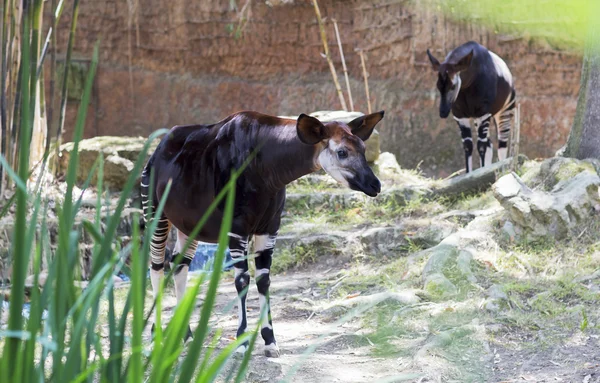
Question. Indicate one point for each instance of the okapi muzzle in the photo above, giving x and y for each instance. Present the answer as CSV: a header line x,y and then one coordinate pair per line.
x,y
343,149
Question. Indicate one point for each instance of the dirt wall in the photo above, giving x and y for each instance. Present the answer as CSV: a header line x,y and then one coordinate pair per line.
x,y
175,62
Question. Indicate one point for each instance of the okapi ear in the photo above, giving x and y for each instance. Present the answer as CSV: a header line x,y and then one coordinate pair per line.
x,y
434,62
463,63
363,126
310,130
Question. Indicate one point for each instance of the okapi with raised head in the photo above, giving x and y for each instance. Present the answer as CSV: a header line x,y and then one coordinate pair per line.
x,y
198,159
477,86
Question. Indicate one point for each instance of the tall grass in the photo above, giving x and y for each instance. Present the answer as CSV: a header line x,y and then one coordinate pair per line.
x,y
60,341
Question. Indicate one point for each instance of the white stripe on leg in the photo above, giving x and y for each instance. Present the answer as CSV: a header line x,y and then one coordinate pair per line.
x,y
502,153
156,277
489,154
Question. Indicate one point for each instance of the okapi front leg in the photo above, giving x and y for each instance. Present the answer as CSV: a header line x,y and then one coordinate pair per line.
x,y
263,247
467,140
238,247
182,266
484,145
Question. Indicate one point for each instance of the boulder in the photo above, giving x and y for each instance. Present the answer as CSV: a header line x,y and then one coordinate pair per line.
x,y
565,196
439,286
381,240
448,267
120,154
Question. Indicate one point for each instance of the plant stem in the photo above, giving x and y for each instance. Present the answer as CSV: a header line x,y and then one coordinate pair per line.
x,y
328,56
339,41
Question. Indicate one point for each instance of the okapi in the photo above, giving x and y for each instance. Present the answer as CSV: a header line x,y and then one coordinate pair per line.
x,y
198,160
476,85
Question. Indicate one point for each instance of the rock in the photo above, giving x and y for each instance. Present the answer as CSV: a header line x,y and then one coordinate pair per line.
x,y
120,154
440,257
429,233
571,199
496,299
386,166
508,229
439,286
450,262
383,239
463,262
496,292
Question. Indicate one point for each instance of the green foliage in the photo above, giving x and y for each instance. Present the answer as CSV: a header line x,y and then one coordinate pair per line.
x,y
62,340
563,24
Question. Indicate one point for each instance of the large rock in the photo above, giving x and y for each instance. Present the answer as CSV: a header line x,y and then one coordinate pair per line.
x,y
120,154
565,195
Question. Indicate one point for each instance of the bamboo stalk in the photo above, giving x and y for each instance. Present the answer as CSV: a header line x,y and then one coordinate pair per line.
x,y
38,115
516,138
328,56
3,109
339,41
50,113
365,76
63,100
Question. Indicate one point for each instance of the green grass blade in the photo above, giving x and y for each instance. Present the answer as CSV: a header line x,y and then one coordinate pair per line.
x,y
210,373
20,260
188,366
63,97
138,286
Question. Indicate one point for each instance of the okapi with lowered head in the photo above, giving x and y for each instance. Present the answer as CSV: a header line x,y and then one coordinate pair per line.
x,y
198,160
477,86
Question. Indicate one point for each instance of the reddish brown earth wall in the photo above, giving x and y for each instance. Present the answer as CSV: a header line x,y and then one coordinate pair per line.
x,y
187,68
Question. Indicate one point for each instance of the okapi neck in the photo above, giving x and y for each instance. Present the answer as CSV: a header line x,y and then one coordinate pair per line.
x,y
466,77
286,158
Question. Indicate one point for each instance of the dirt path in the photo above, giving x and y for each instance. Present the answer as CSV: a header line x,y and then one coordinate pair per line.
x,y
344,353
340,355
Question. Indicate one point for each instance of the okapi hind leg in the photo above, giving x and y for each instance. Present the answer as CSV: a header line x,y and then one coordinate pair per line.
x,y
182,268
263,247
158,242
484,145
504,121
238,248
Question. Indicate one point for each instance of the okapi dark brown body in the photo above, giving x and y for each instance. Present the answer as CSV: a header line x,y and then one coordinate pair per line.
x,y
199,159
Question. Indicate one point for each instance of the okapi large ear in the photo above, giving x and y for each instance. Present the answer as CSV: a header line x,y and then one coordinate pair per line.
x,y
463,63
434,62
363,126
310,130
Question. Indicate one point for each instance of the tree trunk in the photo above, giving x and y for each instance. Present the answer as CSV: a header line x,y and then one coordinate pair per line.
x,y
584,139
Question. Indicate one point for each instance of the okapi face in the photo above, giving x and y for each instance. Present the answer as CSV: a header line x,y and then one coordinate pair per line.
x,y
342,154
449,82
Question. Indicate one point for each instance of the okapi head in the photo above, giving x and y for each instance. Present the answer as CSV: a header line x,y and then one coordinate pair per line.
x,y
449,82
342,150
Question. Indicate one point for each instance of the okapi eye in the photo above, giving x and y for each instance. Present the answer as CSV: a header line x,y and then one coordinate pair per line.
x,y
342,154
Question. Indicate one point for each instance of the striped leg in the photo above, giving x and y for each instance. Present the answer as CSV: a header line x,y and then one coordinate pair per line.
x,y
503,122
238,247
158,243
263,247
465,133
484,145
182,268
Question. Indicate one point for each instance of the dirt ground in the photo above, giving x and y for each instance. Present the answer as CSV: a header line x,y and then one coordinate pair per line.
x,y
315,347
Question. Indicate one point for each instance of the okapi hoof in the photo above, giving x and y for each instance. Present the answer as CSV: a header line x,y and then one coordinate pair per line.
x,y
241,350
188,336
272,351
